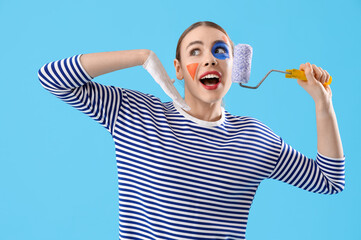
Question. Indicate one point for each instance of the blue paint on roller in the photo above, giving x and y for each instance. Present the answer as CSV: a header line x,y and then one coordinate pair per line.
x,y
223,53
241,70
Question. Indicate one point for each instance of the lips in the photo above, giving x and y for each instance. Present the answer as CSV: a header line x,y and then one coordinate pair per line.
x,y
211,72
211,87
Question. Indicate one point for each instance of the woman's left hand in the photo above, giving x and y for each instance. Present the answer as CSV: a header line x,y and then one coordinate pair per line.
x,y
316,77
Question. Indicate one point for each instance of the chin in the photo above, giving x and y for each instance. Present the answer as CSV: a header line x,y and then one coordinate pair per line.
x,y
211,100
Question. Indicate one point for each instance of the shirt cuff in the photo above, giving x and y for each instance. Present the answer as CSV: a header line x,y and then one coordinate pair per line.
x,y
332,158
82,68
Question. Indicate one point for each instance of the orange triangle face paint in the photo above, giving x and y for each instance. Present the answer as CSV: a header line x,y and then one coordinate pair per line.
x,y
192,68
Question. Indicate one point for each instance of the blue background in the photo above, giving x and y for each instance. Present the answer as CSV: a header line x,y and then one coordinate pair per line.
x,y
58,176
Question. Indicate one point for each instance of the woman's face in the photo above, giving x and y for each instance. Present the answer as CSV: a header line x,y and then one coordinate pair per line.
x,y
205,49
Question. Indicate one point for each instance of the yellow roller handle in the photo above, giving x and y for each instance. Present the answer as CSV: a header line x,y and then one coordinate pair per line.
x,y
299,74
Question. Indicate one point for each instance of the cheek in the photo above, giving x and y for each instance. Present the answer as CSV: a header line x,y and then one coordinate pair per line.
x,y
192,69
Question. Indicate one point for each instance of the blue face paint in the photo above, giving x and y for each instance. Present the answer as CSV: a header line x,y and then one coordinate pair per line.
x,y
220,50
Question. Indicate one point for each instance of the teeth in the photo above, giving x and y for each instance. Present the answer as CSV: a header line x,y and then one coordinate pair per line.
x,y
210,76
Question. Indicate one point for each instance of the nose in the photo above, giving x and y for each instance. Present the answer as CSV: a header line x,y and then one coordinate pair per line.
x,y
208,63
210,60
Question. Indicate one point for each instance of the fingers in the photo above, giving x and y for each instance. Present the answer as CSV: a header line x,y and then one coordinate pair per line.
x,y
314,73
320,74
307,68
326,76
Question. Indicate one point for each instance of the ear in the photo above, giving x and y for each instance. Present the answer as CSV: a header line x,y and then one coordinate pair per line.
x,y
178,69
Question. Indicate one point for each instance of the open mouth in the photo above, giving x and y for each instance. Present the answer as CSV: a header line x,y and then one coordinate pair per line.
x,y
210,80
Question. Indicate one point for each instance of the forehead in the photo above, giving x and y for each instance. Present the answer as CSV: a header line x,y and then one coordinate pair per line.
x,y
203,33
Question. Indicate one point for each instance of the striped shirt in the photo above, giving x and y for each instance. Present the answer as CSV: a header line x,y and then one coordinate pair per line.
x,y
180,177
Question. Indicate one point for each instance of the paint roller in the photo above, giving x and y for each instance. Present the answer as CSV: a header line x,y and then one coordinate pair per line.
x,y
241,70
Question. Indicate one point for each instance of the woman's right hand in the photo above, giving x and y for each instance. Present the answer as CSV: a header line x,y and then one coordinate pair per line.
x,y
153,65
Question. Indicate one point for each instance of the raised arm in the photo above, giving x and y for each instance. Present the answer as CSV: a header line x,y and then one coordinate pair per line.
x,y
96,64
326,174
69,79
328,136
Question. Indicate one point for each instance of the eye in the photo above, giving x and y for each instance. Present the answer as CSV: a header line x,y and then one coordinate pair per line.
x,y
222,50
193,51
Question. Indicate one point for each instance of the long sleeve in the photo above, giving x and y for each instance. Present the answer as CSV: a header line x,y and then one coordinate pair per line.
x,y
324,175
68,80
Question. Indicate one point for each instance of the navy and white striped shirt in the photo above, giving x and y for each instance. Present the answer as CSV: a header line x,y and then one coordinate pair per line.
x,y
180,177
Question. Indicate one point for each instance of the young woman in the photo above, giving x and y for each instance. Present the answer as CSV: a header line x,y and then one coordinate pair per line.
x,y
188,169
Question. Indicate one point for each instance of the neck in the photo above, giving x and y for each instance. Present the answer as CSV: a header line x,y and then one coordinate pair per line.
x,y
210,112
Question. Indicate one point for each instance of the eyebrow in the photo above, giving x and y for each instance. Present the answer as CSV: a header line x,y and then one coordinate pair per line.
x,y
200,42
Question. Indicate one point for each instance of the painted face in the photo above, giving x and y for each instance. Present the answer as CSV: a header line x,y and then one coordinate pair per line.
x,y
192,69
220,50
205,49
